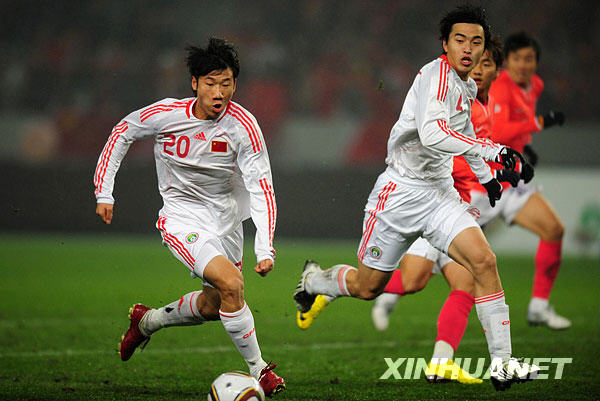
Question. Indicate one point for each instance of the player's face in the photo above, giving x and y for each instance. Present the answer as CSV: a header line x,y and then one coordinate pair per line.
x,y
484,73
521,64
464,47
214,91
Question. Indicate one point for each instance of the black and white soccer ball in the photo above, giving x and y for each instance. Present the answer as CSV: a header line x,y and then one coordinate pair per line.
x,y
236,386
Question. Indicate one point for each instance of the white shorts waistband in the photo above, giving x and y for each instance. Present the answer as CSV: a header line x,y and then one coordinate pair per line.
x,y
417,183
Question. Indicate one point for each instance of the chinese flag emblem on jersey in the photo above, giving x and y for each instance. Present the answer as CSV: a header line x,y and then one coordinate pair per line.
x,y
218,146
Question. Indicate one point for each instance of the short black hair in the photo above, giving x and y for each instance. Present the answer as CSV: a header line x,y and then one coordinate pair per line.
x,y
217,55
468,14
520,40
494,49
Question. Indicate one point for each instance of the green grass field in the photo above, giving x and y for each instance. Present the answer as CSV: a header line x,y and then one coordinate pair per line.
x,y
65,300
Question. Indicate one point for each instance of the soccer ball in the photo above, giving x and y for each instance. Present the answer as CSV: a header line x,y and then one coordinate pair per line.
x,y
236,386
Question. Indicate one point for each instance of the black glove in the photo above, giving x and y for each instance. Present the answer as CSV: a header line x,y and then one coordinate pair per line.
x,y
494,190
553,118
530,155
510,176
508,157
526,172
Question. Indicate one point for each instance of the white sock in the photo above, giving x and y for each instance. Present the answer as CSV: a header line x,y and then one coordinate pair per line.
x,y
538,304
442,350
330,282
387,301
494,316
240,327
183,312
329,298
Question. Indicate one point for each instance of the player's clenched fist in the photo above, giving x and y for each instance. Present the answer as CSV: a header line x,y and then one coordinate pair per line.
x,y
105,211
264,266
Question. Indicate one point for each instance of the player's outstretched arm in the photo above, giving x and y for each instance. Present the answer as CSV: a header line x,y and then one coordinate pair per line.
x,y
105,211
264,266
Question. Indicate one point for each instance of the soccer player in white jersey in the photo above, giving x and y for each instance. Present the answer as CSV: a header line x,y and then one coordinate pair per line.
x,y
415,196
213,172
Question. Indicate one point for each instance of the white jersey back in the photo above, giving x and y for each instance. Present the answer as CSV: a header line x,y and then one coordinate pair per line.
x,y
216,172
435,125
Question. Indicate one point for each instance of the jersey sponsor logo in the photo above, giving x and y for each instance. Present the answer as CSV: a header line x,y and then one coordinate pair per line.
x,y
459,105
504,323
375,252
191,238
218,146
200,136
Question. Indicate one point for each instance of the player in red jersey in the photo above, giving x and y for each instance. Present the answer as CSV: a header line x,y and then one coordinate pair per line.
x,y
515,93
213,172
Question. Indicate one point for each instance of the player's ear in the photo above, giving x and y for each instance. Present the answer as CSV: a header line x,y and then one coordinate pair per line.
x,y
445,45
234,86
194,84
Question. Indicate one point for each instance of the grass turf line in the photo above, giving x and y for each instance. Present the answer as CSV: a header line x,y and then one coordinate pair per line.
x,y
65,302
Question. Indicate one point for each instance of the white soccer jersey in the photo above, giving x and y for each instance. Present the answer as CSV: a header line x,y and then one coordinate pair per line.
x,y
435,124
216,172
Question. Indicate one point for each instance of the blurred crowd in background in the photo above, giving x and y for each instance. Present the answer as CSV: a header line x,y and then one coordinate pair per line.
x,y
71,70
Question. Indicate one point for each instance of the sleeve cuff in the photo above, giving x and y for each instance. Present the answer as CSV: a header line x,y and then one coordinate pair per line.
x,y
264,256
486,177
105,199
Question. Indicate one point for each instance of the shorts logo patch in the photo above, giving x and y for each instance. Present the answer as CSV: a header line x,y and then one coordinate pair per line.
x,y
191,238
375,252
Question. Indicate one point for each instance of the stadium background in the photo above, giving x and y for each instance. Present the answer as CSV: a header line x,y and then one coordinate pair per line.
x,y
326,81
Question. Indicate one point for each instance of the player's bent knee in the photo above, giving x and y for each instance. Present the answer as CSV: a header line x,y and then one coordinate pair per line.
x,y
231,288
556,232
484,261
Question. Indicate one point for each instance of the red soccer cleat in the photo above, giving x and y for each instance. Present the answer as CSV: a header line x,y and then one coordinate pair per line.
x,y
134,337
269,381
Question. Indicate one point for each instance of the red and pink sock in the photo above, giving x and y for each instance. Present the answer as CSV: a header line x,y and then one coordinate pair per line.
x,y
547,264
452,322
395,286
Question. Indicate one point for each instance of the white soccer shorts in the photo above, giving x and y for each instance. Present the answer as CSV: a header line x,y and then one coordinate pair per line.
x,y
399,210
195,247
510,204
